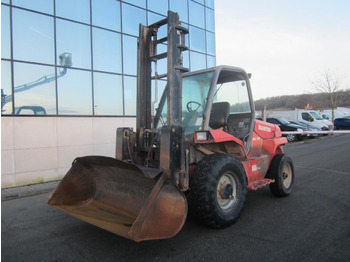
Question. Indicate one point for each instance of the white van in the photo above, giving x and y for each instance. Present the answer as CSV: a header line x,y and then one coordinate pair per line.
x,y
308,117
311,117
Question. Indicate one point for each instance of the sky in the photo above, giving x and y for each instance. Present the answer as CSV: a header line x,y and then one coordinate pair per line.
x,y
285,44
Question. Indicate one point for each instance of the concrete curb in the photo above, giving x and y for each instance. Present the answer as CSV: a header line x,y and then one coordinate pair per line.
x,y
29,190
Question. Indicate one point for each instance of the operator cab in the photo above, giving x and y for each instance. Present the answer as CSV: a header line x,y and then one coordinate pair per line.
x,y
216,98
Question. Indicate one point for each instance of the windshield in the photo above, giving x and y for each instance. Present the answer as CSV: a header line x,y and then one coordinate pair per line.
x,y
231,88
326,116
195,89
284,121
316,116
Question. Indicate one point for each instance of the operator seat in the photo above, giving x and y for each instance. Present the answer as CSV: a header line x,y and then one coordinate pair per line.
x,y
218,115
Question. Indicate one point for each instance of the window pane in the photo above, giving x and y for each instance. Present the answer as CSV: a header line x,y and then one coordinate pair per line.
x,y
132,17
180,7
107,51
156,95
78,10
236,93
130,55
186,59
106,13
209,19
162,48
210,43
209,3
186,35
5,1
153,18
141,3
6,90
5,32
198,61
157,6
161,66
34,88
33,37
197,14
75,39
162,63
194,96
45,6
197,39
75,93
108,94
199,1
211,61
130,95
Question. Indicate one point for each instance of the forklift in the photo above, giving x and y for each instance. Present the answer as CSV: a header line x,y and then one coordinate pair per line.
x,y
202,150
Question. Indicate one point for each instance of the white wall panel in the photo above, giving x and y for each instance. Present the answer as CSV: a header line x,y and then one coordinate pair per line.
x,y
74,131
7,136
35,132
67,154
41,149
35,159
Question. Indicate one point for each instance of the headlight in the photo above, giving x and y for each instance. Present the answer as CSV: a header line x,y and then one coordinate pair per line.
x,y
202,136
300,130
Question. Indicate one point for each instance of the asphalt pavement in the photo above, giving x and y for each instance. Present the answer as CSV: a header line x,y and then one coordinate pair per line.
x,y
312,224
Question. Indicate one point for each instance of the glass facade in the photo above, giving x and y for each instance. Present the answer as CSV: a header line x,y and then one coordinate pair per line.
x,y
79,58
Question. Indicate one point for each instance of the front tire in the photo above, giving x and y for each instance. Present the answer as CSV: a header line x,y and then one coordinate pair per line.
x,y
218,190
282,171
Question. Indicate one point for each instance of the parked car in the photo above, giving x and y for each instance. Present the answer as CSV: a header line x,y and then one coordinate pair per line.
x,y
342,123
309,117
308,128
285,125
30,110
326,116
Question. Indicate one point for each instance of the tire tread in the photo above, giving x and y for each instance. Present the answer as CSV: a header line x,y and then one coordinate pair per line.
x,y
203,184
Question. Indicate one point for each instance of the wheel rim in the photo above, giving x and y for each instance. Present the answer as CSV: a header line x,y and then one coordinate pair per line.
x,y
290,137
287,175
227,191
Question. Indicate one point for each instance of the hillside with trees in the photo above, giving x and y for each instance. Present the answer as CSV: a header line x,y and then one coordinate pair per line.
x,y
318,101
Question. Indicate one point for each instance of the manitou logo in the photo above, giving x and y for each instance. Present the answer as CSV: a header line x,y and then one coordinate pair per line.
x,y
264,128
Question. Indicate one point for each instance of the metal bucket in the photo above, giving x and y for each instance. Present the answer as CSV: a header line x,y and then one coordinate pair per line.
x,y
135,202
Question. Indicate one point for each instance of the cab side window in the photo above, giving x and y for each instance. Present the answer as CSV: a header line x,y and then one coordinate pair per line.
x,y
306,117
236,94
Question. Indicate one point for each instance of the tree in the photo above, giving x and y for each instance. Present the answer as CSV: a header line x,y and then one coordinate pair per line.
x,y
329,84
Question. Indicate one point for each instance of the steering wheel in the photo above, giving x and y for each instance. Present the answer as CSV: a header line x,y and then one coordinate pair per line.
x,y
189,107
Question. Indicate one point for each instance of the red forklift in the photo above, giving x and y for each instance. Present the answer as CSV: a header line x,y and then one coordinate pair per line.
x,y
201,151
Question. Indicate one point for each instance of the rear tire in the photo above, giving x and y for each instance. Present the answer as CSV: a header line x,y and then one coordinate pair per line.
x,y
282,171
218,190
291,137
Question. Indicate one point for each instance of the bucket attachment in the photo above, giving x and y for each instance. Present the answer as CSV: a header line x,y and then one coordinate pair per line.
x,y
132,201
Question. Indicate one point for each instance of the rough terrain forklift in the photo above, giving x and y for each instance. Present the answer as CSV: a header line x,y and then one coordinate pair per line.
x,y
202,148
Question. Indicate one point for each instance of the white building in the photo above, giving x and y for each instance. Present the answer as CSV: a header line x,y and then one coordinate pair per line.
x,y
68,77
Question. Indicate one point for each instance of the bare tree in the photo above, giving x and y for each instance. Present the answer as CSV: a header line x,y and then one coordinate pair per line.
x,y
329,84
